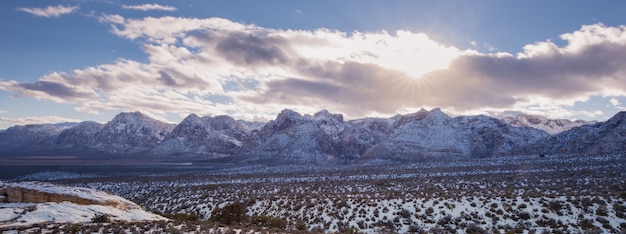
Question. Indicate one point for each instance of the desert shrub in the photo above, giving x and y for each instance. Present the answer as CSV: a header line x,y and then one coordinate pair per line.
x,y
555,206
524,215
430,211
601,211
231,214
619,210
587,224
184,217
445,220
268,221
415,229
472,228
100,218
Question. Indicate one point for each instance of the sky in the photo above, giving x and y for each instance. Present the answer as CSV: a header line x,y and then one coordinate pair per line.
x,y
77,60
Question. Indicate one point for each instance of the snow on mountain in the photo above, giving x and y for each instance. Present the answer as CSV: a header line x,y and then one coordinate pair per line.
x,y
292,137
251,125
600,138
131,132
423,134
320,138
435,134
31,137
80,136
551,126
28,203
206,137
489,136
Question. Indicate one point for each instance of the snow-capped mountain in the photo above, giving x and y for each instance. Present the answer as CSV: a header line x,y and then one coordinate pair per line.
x,y
131,132
84,134
292,137
600,138
320,138
33,137
551,126
435,134
208,137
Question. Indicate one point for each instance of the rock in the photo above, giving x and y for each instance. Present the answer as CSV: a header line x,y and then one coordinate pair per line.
x,y
40,192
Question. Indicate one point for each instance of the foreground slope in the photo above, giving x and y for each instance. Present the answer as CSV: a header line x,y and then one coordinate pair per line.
x,y
28,203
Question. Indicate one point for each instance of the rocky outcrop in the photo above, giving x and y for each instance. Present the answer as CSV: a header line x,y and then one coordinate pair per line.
x,y
40,192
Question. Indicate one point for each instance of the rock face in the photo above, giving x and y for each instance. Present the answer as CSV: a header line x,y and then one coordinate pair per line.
x,y
551,126
131,133
601,138
204,137
34,137
428,134
81,136
39,192
291,137
320,138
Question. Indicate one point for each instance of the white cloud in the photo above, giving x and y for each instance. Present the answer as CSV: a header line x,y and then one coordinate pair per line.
x,y
217,66
50,11
615,102
6,121
149,7
114,19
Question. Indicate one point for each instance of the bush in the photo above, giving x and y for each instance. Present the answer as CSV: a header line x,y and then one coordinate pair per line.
x,y
524,215
474,229
231,214
100,218
268,221
185,217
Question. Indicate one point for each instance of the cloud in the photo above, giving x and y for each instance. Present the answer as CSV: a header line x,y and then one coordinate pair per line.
x,y
50,11
217,66
6,121
615,102
149,7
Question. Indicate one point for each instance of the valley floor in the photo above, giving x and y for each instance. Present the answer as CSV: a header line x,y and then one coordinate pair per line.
x,y
523,194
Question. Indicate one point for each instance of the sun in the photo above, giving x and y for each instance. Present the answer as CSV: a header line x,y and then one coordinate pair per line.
x,y
416,54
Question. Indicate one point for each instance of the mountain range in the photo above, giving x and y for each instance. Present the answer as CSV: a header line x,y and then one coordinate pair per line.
x,y
320,138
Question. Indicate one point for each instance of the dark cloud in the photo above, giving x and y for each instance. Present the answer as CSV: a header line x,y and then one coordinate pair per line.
x,y
54,89
353,88
175,79
470,82
246,49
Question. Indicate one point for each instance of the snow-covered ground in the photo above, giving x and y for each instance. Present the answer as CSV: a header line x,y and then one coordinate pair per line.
x,y
567,193
26,214
524,194
38,210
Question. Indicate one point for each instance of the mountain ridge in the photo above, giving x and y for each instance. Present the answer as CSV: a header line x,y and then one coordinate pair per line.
x,y
323,137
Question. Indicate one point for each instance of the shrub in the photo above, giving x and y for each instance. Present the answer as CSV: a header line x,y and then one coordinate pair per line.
x,y
472,228
268,221
231,214
100,218
524,215
185,217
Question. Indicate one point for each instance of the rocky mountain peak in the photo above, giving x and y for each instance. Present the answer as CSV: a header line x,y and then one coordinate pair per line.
x,y
326,115
551,126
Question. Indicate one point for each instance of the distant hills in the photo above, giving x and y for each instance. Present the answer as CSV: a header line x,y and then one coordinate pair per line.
x,y
320,138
